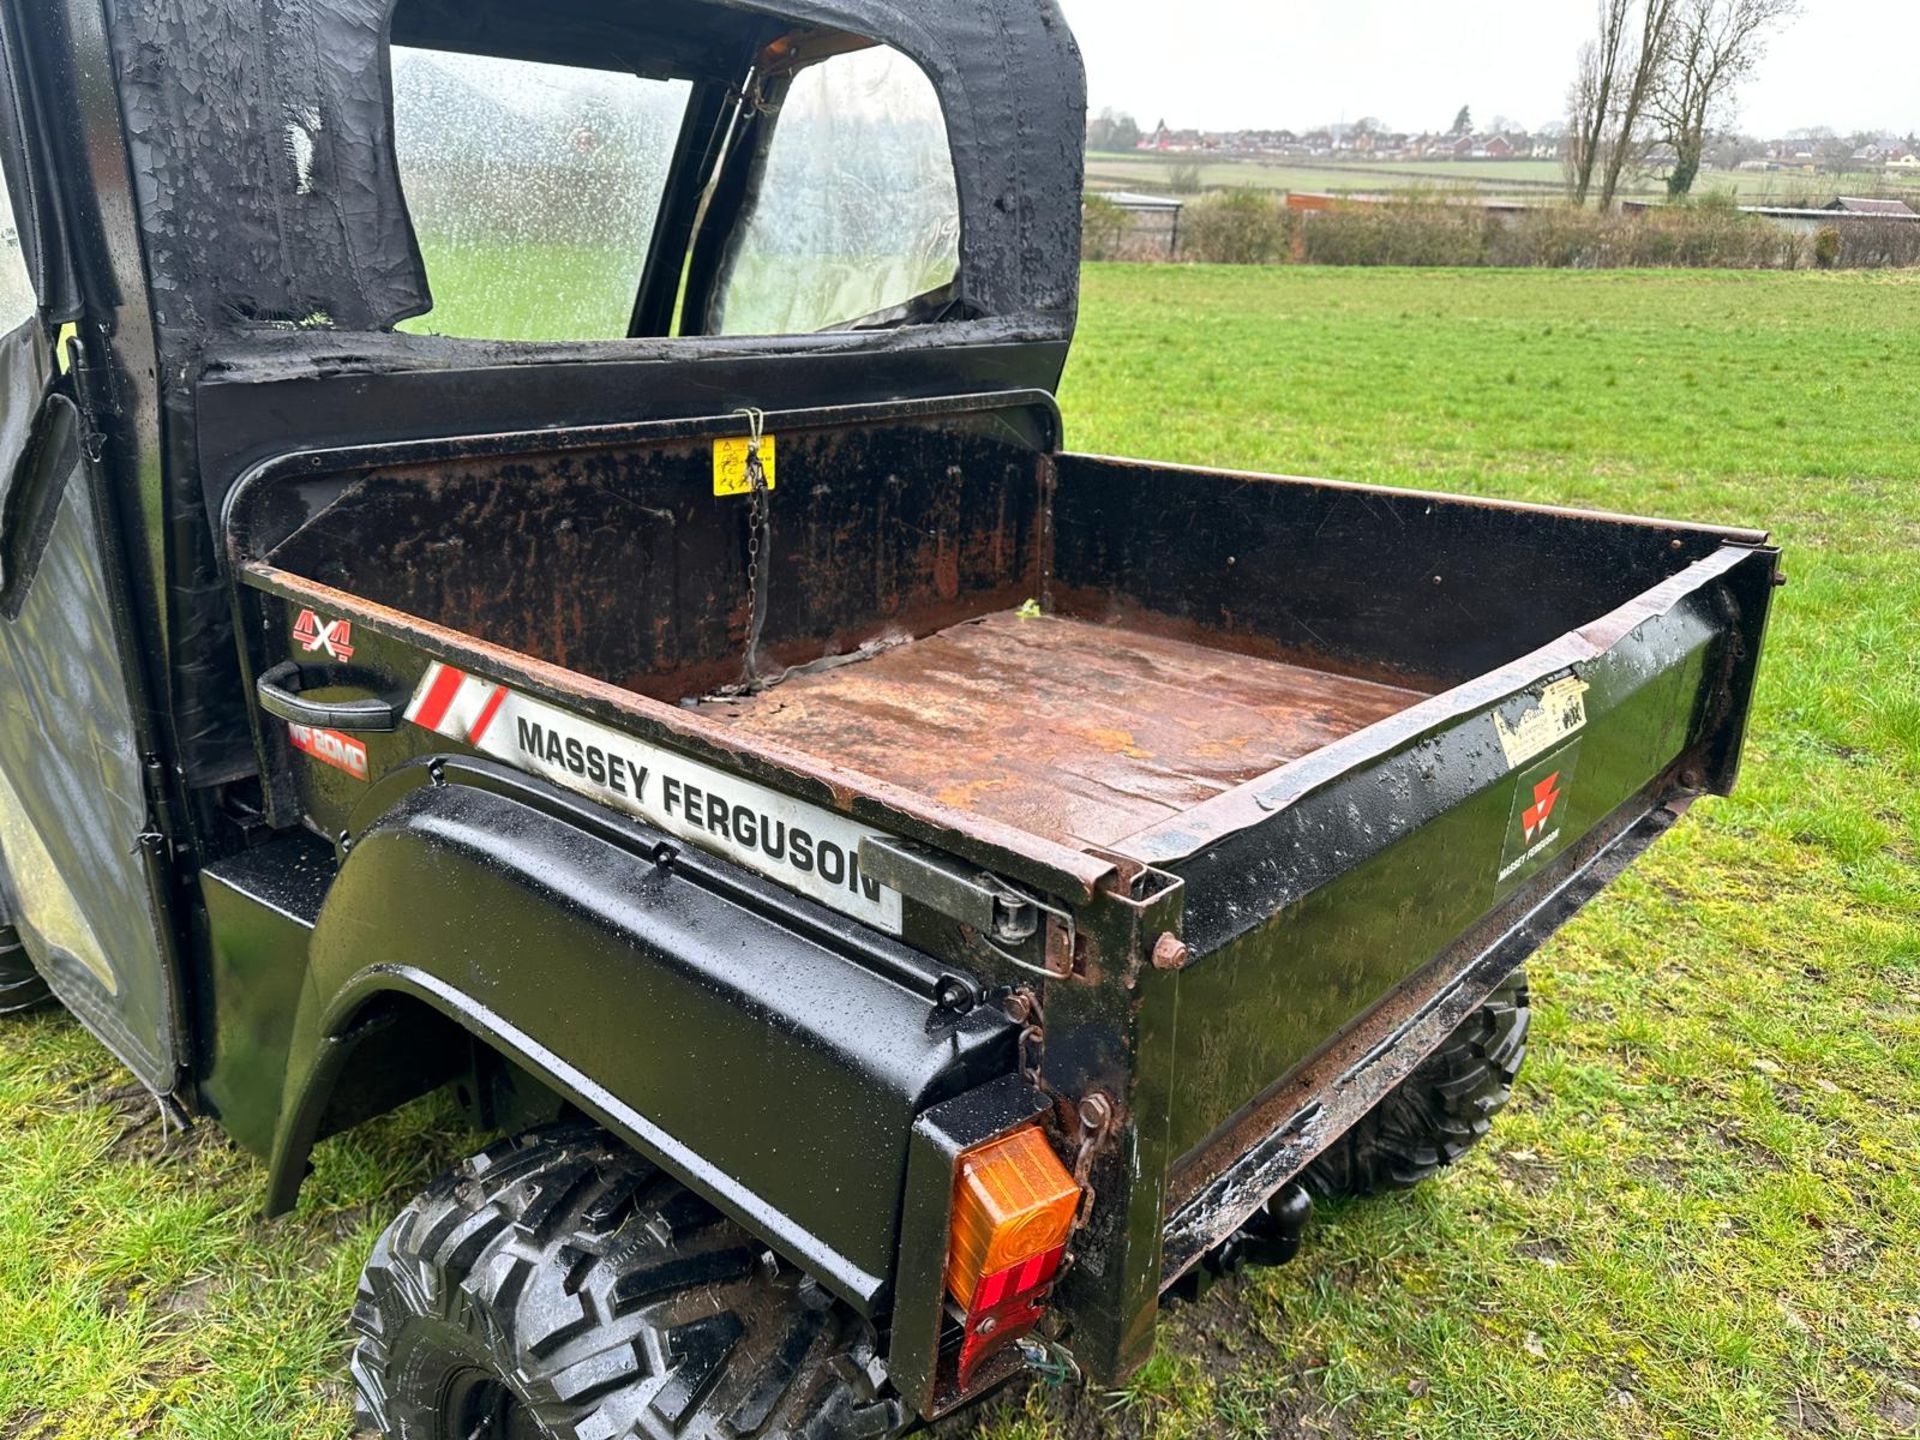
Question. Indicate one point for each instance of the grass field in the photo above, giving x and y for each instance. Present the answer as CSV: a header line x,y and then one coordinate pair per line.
x,y
1701,1215
1532,180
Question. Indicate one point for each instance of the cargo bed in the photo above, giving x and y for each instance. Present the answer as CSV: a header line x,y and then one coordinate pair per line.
x,y
1037,661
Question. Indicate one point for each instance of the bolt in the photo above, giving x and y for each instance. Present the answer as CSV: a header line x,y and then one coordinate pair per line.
x,y
1019,1009
1096,1113
664,855
1691,779
1170,952
988,1324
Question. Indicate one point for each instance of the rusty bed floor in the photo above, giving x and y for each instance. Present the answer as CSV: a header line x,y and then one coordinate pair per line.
x,y
1075,731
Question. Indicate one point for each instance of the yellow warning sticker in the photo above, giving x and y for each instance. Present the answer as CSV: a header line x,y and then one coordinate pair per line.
x,y
730,465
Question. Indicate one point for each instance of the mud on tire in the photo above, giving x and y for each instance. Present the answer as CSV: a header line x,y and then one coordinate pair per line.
x,y
559,1285
1440,1111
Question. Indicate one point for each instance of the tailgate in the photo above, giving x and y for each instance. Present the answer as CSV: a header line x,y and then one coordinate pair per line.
x,y
1378,890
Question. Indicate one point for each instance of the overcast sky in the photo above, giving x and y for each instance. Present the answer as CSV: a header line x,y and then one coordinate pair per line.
x,y
1235,64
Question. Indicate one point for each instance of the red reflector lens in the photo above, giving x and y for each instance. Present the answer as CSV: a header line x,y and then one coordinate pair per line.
x,y
1006,1305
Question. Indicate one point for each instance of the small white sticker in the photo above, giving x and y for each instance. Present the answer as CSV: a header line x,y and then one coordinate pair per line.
x,y
1561,712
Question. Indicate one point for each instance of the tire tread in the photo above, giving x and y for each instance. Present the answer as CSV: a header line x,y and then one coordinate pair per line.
x,y
1439,1112
612,1301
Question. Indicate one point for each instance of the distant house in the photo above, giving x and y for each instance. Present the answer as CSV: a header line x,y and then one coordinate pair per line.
x,y
1498,148
1908,161
1174,142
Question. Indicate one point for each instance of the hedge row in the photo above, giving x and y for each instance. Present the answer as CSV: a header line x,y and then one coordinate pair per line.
x,y
1248,227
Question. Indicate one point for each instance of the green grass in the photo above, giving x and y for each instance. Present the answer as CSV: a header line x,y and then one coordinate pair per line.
x,y
1537,181
1700,1217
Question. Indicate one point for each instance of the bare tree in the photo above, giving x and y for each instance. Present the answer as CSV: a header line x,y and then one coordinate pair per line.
x,y
1715,45
1608,107
1591,100
1631,140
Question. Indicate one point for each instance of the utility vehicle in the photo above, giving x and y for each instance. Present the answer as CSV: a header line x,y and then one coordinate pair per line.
x,y
538,556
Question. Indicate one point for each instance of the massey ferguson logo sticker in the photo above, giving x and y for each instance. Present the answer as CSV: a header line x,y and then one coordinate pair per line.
x,y
804,847
330,747
1546,795
1538,821
333,637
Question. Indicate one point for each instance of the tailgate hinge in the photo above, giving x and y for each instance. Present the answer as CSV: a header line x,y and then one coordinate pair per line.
x,y
1004,917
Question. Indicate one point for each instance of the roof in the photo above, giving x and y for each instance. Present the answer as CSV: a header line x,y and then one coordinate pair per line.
x,y
1134,200
1829,215
1853,205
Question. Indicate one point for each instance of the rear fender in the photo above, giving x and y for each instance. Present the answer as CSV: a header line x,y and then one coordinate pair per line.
x,y
774,1062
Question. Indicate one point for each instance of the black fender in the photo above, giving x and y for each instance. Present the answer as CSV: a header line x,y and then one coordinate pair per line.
x,y
772,1057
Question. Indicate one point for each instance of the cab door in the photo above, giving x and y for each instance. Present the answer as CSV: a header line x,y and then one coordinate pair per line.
x,y
83,865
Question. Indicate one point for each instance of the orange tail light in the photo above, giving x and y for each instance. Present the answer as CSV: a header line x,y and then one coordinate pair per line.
x,y
1013,1210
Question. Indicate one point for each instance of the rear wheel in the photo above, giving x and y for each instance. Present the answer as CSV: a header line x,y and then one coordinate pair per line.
x,y
1440,1111
21,988
559,1287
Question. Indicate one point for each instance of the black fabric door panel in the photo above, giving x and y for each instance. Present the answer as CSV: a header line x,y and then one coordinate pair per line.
x,y
74,842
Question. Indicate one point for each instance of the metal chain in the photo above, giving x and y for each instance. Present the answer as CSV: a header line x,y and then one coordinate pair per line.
x,y
759,541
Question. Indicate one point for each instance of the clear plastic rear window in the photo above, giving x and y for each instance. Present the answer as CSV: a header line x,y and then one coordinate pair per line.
x,y
856,212
533,188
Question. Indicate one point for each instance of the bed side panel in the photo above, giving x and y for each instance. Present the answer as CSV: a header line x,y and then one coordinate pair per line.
x,y
1428,590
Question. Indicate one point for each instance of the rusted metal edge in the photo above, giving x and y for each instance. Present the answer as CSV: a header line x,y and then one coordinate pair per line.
x,y
1734,535
1217,1188
314,464
1056,869
1248,805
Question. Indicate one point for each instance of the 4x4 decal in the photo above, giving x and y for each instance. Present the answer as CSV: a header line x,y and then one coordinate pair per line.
x,y
333,637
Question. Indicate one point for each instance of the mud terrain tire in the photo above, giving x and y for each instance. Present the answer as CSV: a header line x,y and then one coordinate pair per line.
x,y
558,1285
1440,1111
21,988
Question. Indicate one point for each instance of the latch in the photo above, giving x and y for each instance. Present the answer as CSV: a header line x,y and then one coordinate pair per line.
x,y
1004,916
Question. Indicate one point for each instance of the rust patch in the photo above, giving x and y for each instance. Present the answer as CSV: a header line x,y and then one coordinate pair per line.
x,y
1079,732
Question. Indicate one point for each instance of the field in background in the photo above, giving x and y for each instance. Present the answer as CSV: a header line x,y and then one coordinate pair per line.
x,y
1532,180
1700,1217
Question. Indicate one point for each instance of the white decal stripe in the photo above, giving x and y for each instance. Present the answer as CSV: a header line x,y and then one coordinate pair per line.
x,y
467,708
801,846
